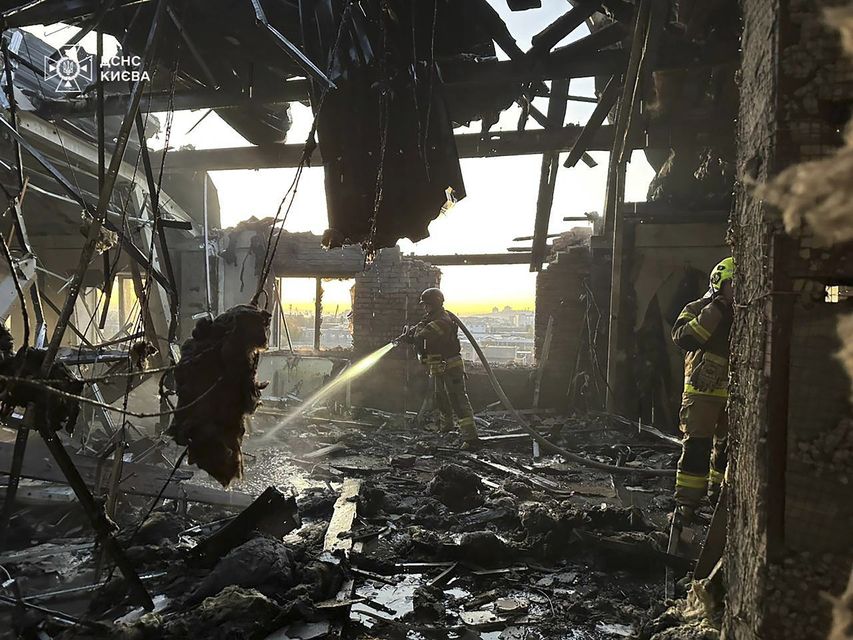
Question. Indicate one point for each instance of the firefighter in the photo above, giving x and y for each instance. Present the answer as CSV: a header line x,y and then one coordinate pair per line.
x,y
702,331
436,339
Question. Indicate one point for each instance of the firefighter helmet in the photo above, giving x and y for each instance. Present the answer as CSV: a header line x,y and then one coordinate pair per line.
x,y
722,272
432,297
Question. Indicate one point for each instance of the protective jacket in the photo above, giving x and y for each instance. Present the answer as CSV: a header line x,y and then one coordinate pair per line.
x,y
440,337
702,330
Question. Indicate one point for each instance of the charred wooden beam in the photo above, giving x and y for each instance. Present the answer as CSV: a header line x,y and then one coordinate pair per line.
x,y
596,120
523,5
547,68
647,24
604,37
475,259
498,30
157,101
289,48
548,174
469,145
202,63
548,38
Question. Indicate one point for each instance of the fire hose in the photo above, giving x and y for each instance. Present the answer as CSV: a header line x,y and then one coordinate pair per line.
x,y
538,437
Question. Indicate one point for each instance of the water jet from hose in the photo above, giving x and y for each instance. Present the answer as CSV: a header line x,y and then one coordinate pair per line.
x,y
347,375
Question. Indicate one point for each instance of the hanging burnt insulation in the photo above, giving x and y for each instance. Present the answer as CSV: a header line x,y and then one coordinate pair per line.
x,y
60,412
217,389
385,134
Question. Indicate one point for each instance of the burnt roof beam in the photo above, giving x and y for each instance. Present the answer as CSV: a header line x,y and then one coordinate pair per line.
x,y
548,174
469,145
548,38
608,99
579,59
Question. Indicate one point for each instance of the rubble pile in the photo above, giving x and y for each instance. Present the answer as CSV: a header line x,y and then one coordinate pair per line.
x,y
795,603
393,530
831,452
697,617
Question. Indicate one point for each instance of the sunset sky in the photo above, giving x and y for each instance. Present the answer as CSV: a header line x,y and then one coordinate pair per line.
x,y
500,204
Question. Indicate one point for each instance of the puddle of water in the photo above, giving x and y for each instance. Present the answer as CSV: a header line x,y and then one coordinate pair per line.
x,y
397,598
395,601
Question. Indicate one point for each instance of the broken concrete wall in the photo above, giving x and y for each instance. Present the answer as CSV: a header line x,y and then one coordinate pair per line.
x,y
298,255
385,298
193,287
783,380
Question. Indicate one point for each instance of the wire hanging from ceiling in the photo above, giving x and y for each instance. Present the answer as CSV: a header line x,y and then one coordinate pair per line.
x,y
277,225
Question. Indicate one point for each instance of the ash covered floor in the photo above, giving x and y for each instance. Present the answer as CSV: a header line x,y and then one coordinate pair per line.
x,y
402,536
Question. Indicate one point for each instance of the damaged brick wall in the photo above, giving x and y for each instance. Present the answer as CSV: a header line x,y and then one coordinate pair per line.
x,y
385,298
561,294
795,90
746,553
818,509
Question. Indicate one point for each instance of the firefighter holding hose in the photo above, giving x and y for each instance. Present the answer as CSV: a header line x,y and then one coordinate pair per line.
x,y
702,331
437,342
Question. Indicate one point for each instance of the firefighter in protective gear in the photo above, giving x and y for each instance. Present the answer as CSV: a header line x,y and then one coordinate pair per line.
x,y
437,341
702,331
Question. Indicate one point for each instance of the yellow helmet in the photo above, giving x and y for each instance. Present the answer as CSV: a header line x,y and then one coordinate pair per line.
x,y
722,272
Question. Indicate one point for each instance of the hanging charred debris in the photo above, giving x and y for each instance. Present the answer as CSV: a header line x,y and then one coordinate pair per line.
x,y
188,451
217,389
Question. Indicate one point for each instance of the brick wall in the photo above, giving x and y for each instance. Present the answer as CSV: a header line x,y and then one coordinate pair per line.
x,y
561,295
385,298
786,390
746,552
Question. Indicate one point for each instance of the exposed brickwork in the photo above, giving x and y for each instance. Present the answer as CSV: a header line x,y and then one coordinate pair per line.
x,y
795,93
297,255
561,294
746,553
816,82
385,298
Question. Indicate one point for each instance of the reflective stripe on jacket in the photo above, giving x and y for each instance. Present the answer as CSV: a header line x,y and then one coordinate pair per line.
x,y
440,335
702,330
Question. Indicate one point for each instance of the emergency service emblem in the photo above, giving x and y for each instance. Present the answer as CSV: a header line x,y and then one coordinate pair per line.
x,y
72,70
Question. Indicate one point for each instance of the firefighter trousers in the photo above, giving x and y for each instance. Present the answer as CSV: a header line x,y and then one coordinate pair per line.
x,y
703,447
451,397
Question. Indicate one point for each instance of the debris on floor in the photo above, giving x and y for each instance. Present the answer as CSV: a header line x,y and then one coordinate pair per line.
x,y
399,533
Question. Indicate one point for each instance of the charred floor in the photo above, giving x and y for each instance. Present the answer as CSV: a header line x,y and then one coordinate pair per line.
x,y
218,423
